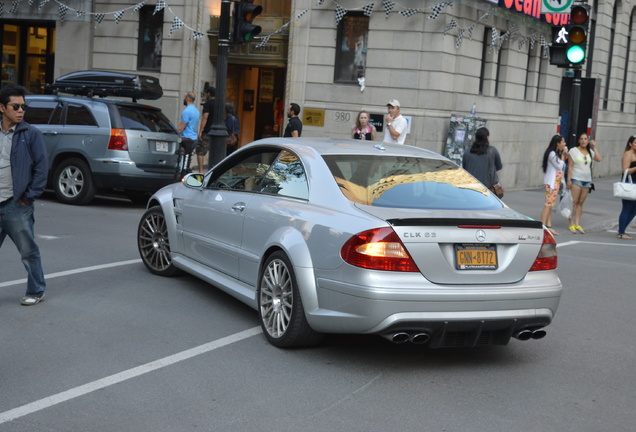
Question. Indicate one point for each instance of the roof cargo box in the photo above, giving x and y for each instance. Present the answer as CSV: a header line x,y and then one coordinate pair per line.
x,y
103,84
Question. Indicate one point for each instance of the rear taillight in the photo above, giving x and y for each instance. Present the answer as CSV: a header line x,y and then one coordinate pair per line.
x,y
378,249
547,258
118,140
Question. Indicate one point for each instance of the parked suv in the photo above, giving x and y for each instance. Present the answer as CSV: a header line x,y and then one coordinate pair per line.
x,y
99,144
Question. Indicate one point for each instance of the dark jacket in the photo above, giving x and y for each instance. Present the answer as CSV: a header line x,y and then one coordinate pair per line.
x,y
29,163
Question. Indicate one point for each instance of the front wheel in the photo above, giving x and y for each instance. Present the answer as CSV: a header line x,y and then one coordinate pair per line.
x,y
280,307
153,243
74,182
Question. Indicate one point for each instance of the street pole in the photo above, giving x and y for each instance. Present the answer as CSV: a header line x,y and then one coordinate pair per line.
x,y
576,101
218,131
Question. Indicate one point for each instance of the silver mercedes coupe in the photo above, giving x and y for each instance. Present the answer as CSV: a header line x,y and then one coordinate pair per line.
x,y
342,236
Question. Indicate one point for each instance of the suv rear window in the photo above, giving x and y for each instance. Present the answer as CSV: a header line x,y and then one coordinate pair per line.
x,y
409,182
145,119
79,115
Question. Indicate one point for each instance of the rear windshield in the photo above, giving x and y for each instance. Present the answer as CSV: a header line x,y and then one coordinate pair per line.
x,y
409,182
145,119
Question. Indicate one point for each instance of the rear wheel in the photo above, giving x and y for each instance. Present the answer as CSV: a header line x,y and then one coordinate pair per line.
x,y
153,243
74,182
280,307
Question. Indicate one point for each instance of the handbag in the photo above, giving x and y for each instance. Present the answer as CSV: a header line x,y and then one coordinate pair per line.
x,y
625,190
231,140
496,188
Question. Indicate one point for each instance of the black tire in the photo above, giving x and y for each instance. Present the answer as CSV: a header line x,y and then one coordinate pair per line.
x,y
136,197
280,308
73,182
153,243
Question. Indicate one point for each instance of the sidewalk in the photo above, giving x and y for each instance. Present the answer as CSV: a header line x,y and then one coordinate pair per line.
x,y
600,210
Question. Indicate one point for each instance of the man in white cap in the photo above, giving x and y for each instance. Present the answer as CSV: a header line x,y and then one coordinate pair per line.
x,y
394,124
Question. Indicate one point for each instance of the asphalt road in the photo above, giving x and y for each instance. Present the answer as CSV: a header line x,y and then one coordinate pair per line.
x,y
114,348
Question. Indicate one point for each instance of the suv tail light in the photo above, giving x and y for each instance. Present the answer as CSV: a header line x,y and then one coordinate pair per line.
x,y
118,140
378,249
547,258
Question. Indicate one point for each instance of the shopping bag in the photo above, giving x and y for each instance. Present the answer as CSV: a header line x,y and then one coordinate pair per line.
x,y
564,207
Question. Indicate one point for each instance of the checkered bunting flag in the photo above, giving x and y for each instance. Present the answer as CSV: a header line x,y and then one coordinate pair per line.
x,y
544,46
99,18
470,31
460,36
495,37
451,25
14,6
368,9
340,12
41,4
176,25
263,42
301,14
409,12
31,2
62,9
522,42
320,2
138,6
438,8
533,40
79,13
118,16
196,35
159,6
1,9
388,7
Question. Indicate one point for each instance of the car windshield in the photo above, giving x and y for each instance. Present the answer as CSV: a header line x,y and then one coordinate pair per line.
x,y
409,182
145,119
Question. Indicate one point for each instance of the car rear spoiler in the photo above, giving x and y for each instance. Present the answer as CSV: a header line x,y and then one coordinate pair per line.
x,y
103,84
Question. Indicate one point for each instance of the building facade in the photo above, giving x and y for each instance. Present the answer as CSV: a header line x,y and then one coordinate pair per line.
x,y
336,57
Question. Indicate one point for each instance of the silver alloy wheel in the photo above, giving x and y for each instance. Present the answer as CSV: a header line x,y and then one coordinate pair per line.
x,y
154,244
276,298
71,181
74,182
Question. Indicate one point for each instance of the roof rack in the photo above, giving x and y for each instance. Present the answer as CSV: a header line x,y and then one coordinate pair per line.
x,y
103,84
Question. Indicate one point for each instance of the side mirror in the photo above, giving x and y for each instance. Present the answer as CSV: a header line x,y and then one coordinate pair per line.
x,y
193,180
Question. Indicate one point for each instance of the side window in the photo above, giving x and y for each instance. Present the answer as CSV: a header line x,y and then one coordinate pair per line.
x,y
41,112
79,115
287,177
246,173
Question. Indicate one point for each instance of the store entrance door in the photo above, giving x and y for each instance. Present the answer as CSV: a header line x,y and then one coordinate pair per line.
x,y
258,95
28,53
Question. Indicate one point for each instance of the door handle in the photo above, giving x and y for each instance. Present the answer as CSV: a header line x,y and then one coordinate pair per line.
x,y
49,133
239,207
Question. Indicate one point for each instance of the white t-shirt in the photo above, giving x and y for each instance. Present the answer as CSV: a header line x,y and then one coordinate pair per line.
x,y
399,124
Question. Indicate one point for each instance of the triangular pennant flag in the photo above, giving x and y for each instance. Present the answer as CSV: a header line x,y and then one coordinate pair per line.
x,y
301,14
62,9
438,8
388,7
460,36
263,42
41,4
470,31
138,6
118,16
522,42
31,2
99,18
159,6
340,13
79,13
409,12
533,39
176,24
368,9
14,6
196,35
1,9
320,2
451,25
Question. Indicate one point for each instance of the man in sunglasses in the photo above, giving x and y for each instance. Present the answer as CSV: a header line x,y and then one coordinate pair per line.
x,y
23,175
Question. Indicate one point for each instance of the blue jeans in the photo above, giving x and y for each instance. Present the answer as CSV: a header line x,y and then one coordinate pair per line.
x,y
16,221
627,214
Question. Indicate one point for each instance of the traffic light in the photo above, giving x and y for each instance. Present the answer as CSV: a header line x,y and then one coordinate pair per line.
x,y
579,23
244,13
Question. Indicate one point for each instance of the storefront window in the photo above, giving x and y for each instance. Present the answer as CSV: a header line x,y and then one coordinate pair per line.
x,y
150,39
351,48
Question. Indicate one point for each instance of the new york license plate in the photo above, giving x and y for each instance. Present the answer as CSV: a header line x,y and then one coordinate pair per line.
x,y
475,257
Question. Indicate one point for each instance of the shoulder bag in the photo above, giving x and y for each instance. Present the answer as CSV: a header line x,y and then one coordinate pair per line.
x,y
624,189
496,188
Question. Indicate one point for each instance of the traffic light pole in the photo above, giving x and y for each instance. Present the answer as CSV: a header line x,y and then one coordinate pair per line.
x,y
576,101
218,131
